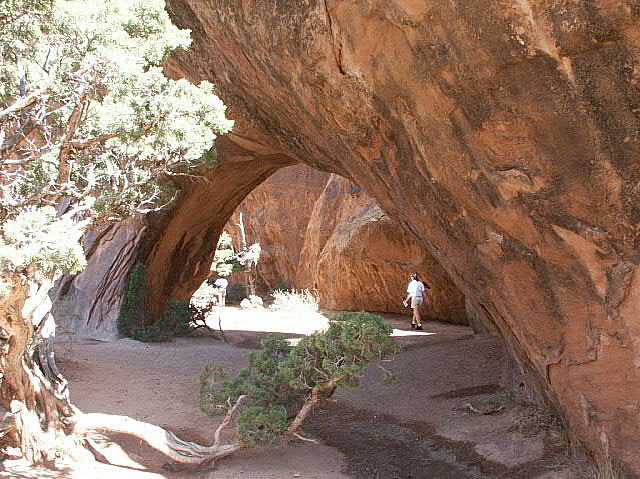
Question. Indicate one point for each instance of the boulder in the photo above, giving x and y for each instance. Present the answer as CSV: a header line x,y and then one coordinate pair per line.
x,y
358,258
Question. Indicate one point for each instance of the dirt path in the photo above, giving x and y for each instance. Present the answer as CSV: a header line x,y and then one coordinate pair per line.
x,y
416,428
421,427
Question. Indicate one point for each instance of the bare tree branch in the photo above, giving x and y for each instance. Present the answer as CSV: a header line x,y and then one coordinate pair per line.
x,y
162,440
22,103
227,419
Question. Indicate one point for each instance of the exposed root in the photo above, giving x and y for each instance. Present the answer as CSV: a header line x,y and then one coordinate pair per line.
x,y
306,439
36,415
166,442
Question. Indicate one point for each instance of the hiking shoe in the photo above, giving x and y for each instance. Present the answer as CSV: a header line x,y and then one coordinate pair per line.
x,y
419,327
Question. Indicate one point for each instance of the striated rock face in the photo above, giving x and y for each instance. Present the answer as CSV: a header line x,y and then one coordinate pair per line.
x,y
276,215
322,232
184,244
88,304
502,135
359,259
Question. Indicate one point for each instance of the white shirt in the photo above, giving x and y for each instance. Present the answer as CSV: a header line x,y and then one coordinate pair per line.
x,y
221,283
415,288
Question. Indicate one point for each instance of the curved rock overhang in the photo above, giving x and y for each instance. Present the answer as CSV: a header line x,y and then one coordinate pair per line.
x,y
502,135
183,246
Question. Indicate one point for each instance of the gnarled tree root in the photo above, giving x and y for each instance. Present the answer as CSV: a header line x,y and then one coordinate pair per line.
x,y
166,442
36,416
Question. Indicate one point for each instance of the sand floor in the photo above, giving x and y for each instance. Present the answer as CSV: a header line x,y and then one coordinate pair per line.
x,y
419,427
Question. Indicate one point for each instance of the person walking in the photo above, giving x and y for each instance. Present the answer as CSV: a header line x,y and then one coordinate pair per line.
x,y
221,283
415,297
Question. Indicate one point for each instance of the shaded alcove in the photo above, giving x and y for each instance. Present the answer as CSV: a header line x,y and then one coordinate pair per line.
x,y
325,233
343,244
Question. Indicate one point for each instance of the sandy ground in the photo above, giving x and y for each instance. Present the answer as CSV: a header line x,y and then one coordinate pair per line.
x,y
419,427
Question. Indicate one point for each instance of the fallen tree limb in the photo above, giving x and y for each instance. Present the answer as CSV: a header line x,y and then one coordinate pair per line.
x,y
160,439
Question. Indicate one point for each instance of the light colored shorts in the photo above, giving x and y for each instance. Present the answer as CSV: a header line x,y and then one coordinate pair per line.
x,y
415,301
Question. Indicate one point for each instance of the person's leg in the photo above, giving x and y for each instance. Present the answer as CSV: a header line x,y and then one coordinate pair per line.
x,y
416,316
415,304
412,303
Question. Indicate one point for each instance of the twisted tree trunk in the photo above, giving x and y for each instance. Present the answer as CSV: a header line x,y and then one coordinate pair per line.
x,y
32,391
36,415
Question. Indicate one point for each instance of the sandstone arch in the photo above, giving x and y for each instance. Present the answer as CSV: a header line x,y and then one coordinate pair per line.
x,y
512,127
183,246
322,232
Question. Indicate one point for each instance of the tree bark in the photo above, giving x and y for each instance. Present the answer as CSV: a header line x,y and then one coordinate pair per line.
x,y
66,149
319,393
32,390
37,416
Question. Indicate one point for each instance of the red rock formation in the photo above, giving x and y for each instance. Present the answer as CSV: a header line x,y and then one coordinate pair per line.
x,y
89,303
502,135
276,214
359,259
322,232
182,253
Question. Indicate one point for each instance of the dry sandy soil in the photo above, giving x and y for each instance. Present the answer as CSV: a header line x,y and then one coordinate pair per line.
x,y
433,422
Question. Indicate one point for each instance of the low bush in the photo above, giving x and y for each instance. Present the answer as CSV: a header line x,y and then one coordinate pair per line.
x,y
282,378
604,468
302,301
235,293
133,314
205,296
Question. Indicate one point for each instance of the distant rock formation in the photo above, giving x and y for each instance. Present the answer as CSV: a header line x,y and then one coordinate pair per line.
x,y
322,232
276,215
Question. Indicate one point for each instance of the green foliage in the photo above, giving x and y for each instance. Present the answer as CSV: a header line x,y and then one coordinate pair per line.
x,y
281,377
176,323
88,117
21,22
225,261
211,377
133,311
37,238
101,103
132,320
352,315
259,426
235,293
204,296
282,285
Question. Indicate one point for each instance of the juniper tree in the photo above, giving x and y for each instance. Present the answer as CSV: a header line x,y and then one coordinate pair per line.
x,y
90,130
283,382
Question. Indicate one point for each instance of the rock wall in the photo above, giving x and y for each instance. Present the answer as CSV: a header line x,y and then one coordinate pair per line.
x,y
322,232
88,304
276,214
501,135
360,259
